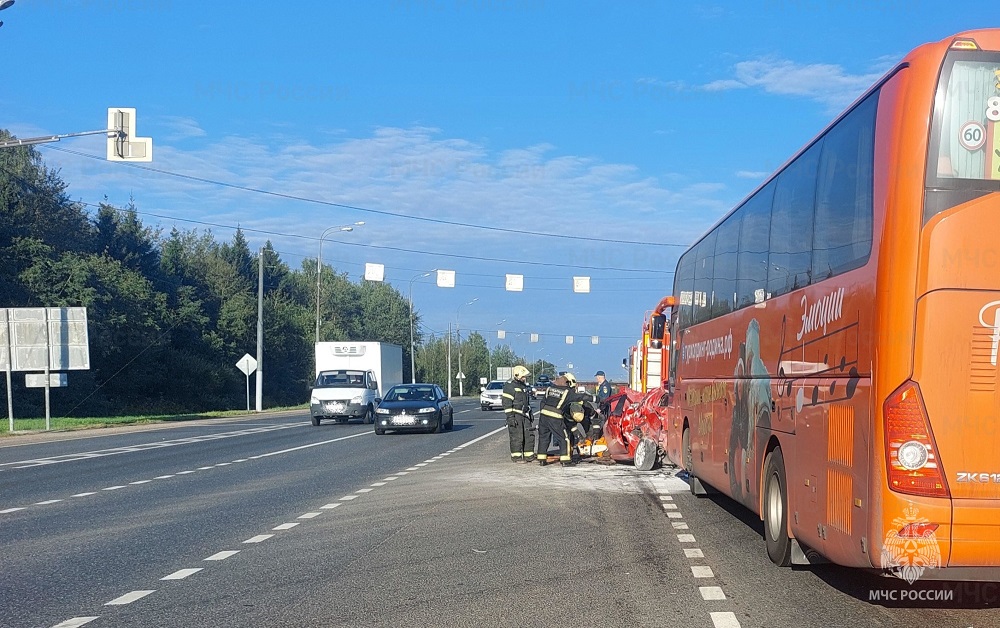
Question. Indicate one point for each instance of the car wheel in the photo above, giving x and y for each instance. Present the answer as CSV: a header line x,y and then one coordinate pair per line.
x,y
369,415
484,407
434,429
315,420
451,421
379,431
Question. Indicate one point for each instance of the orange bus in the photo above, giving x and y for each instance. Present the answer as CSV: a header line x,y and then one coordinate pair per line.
x,y
835,337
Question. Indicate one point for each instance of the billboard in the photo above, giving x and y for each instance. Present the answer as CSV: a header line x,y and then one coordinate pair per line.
x,y
36,338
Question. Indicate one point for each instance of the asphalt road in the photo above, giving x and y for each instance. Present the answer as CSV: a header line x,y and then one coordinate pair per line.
x,y
269,521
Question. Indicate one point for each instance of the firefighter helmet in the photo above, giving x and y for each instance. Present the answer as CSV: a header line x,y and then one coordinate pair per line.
x,y
570,379
520,371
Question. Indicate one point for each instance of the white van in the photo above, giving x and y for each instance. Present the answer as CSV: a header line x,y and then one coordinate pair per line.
x,y
343,395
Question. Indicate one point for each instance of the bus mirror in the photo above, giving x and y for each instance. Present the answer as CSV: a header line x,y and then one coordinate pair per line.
x,y
657,325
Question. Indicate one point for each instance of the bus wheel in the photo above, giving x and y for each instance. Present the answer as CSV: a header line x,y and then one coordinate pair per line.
x,y
779,546
686,454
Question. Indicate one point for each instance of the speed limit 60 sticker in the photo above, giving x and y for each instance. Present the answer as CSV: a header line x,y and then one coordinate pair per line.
x,y
972,136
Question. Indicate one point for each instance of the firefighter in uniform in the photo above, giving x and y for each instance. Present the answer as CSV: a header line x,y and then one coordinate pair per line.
x,y
559,402
516,400
575,418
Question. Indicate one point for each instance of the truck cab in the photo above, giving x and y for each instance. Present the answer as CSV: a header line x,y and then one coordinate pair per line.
x,y
344,394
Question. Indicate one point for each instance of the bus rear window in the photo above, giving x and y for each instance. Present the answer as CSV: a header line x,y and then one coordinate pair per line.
x,y
965,139
968,127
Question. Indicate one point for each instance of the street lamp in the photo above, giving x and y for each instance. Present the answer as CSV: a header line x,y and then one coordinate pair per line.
x,y
319,263
458,332
413,362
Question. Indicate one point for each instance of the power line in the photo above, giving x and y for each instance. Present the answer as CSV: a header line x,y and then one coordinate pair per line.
x,y
358,208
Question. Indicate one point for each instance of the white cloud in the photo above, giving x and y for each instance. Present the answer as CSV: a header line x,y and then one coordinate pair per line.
x,y
751,174
825,83
180,128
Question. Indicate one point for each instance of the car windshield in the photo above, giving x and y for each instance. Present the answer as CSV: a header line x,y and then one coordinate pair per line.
x,y
410,393
494,386
340,379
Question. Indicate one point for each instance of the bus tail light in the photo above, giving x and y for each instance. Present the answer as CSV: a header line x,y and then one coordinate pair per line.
x,y
910,449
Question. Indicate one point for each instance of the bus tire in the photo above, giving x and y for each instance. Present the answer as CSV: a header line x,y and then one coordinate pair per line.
x,y
687,457
779,545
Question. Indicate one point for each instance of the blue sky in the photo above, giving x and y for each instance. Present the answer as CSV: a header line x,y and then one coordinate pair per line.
x,y
637,124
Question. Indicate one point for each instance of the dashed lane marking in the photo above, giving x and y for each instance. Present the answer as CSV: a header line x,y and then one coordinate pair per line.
x,y
223,555
128,598
76,622
285,526
182,573
260,538
711,593
702,571
725,620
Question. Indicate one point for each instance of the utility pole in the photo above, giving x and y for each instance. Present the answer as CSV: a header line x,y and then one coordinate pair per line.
x,y
260,329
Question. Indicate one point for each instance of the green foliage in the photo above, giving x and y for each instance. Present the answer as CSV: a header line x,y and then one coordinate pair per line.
x,y
170,316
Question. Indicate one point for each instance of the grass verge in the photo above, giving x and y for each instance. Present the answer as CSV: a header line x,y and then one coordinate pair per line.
x,y
67,424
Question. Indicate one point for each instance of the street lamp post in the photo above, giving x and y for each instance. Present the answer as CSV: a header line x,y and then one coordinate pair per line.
x,y
458,333
413,361
319,263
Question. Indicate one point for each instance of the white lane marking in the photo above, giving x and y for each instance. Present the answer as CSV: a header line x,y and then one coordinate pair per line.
x,y
674,515
329,506
128,598
347,498
223,555
259,538
420,464
86,455
48,501
693,553
240,460
84,494
204,468
163,477
725,620
76,622
141,482
685,538
701,571
364,490
669,506
379,484
711,593
402,473
679,525
9,510
310,515
112,488
390,478
182,573
285,526
666,498
184,472
223,464
412,468
325,442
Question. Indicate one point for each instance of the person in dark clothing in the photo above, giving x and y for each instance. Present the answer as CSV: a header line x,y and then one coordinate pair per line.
x,y
603,392
516,401
561,402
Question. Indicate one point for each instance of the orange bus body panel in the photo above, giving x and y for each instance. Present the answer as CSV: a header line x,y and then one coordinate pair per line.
x,y
811,371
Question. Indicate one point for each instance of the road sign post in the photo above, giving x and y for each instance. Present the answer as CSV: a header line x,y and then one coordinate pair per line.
x,y
248,365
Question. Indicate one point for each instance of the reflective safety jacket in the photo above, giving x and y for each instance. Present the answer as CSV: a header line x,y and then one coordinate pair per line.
x,y
516,398
562,402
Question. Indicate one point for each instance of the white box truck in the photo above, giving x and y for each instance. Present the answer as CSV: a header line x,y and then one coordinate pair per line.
x,y
351,378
